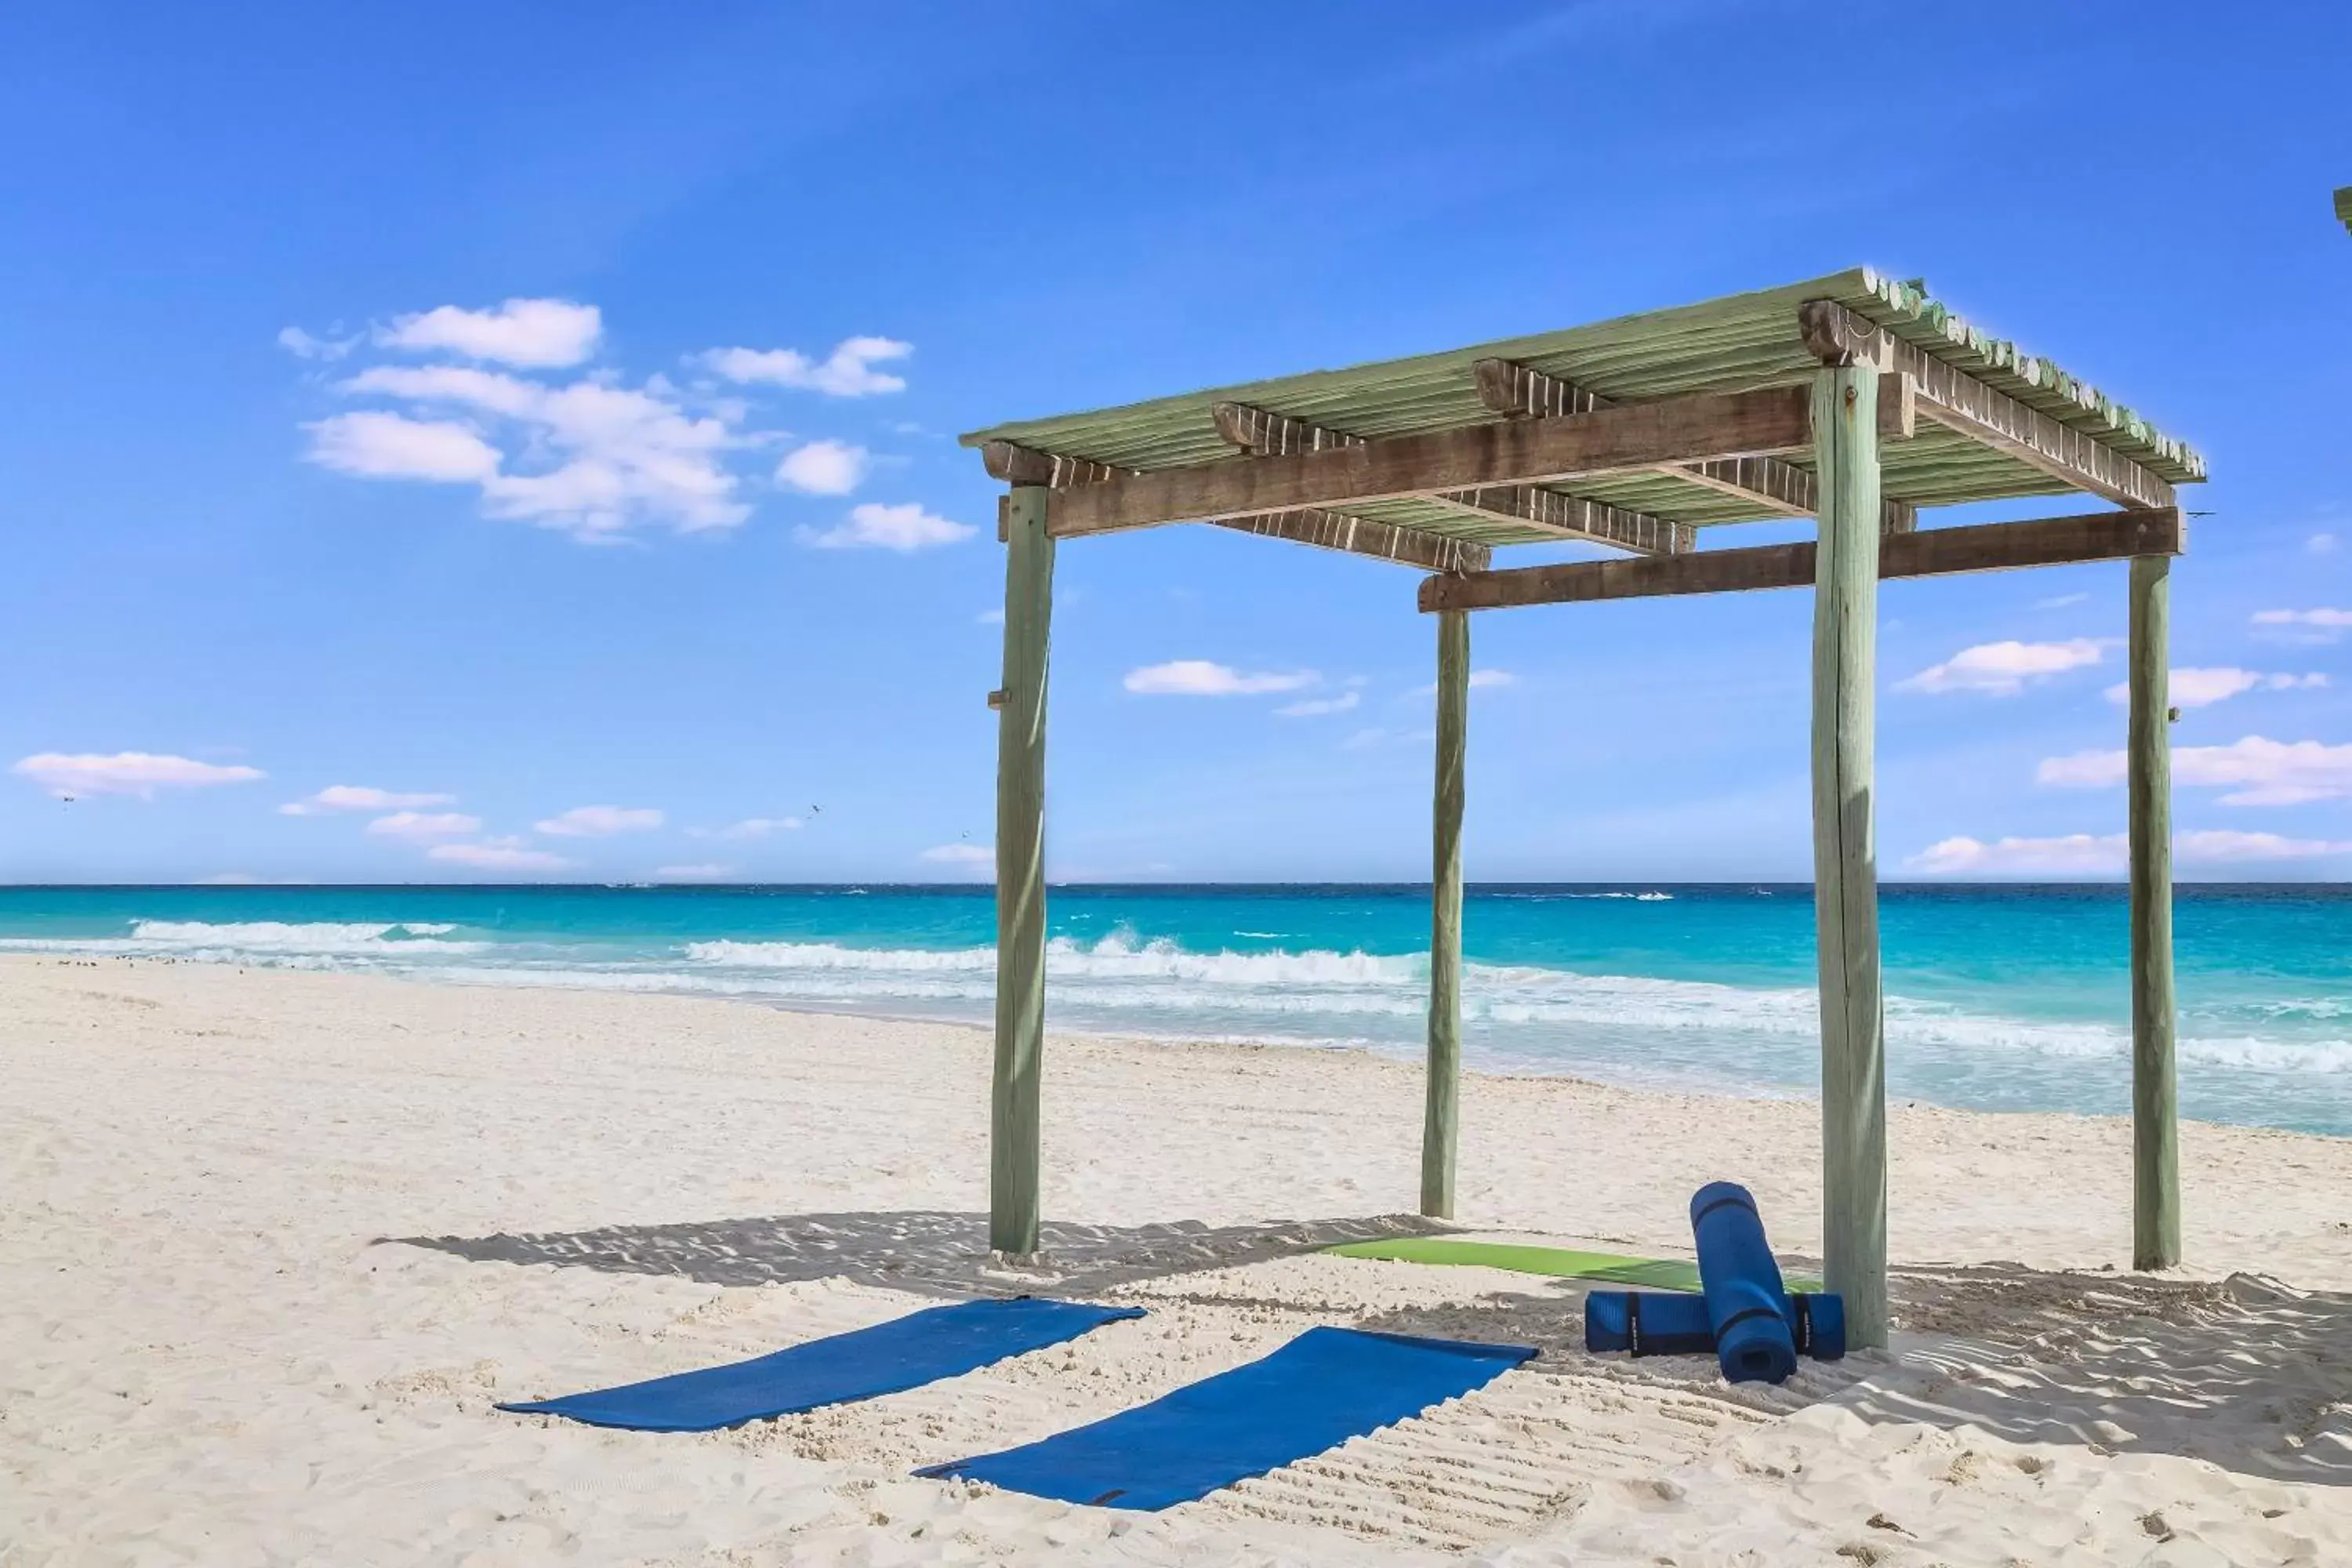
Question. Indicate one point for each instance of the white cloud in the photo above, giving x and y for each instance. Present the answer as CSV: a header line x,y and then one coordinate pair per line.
x,y
960,855
140,773
2003,668
2321,544
375,444
2320,625
534,334
706,871
2083,853
848,371
990,617
302,345
2075,854
1477,680
600,821
360,797
2257,771
498,855
873,526
604,456
823,468
1200,678
2060,601
1315,707
750,828
421,827
2203,687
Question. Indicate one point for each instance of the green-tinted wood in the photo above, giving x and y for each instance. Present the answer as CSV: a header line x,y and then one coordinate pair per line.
x,y
1846,870
1440,1127
2156,1091
1014,1139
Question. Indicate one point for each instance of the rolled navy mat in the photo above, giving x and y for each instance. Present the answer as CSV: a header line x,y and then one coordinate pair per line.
x,y
1742,1286
1659,1322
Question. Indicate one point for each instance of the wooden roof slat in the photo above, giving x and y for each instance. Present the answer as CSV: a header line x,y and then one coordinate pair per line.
x,y
1265,433
1774,484
1961,402
1328,529
1988,547
1735,343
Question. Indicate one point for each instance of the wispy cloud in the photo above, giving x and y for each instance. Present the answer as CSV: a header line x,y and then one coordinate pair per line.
x,y
1200,677
2060,601
499,854
2320,626
361,797
1315,707
539,334
423,827
848,371
823,468
873,526
2004,668
2083,853
750,828
1477,680
705,871
2203,687
2257,771
960,855
304,345
140,774
600,821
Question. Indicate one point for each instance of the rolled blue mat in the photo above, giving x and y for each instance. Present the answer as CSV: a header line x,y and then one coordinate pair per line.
x,y
1742,1285
1659,1322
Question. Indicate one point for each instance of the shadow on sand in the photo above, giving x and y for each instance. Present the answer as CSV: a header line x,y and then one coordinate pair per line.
x,y
927,1251
2246,1372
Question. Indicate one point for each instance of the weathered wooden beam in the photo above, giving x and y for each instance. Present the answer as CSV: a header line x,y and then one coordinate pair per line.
x,y
1519,392
1265,433
1960,402
1930,552
2156,1086
1524,451
1440,1120
1325,529
1014,1143
1845,851
1363,536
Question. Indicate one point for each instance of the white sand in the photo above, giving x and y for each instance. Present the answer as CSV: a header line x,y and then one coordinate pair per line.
x,y
205,1357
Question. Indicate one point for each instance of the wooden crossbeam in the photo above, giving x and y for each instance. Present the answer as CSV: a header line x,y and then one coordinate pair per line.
x,y
1960,402
1515,452
1266,434
1936,551
1328,529
1522,392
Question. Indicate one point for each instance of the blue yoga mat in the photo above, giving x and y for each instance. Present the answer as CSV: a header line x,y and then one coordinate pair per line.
x,y
1657,1322
1741,1282
1317,1392
905,1353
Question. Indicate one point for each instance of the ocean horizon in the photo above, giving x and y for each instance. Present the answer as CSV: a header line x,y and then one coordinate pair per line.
x,y
1999,996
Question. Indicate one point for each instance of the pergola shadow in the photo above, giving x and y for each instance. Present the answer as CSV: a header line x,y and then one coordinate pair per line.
x,y
929,1252
2244,1372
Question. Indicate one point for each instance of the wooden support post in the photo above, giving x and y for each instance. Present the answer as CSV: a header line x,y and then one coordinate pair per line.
x,y
2156,1091
1845,869
1013,1143
1440,1127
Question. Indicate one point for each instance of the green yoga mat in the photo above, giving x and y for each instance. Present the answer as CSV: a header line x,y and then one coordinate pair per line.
x,y
1648,1273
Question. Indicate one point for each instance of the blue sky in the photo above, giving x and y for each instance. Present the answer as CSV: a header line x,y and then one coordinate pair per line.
x,y
696,582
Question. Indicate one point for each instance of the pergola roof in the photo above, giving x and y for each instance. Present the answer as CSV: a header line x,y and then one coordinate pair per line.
x,y
1735,343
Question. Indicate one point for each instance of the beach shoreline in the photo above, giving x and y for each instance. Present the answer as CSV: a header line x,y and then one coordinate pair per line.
x,y
223,1358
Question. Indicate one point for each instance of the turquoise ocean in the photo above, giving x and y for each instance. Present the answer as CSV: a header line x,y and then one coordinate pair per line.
x,y
1998,997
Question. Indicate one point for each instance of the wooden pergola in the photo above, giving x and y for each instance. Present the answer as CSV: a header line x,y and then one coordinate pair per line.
x,y
1853,399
